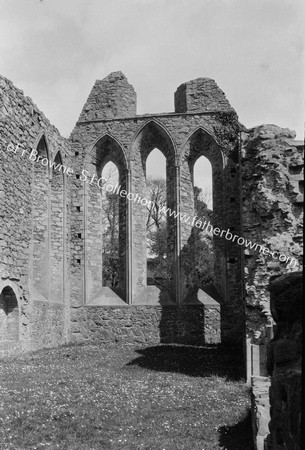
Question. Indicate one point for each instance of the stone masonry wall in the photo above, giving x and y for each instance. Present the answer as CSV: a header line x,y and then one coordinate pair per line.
x,y
273,198
216,130
285,363
22,127
146,324
201,94
111,97
51,225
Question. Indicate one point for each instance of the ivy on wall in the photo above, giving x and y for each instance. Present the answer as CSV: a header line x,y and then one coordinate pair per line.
x,y
227,128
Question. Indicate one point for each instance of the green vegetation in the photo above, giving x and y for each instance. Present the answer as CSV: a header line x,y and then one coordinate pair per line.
x,y
111,259
119,397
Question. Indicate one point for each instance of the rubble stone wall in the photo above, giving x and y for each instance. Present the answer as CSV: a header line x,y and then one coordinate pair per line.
x,y
147,324
183,137
111,97
285,363
201,94
273,200
51,222
25,240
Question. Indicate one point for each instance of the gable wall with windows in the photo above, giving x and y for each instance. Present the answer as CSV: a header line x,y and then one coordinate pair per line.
x,y
34,232
51,236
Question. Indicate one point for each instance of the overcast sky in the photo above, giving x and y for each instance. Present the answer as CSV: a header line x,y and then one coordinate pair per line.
x,y
55,49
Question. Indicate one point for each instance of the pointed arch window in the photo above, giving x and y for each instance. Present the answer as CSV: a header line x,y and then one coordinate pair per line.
x,y
150,137
156,224
106,283
202,184
40,208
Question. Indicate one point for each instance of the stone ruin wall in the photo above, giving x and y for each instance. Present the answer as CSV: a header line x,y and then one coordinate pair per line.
x,y
46,281
285,363
126,139
31,219
273,200
145,325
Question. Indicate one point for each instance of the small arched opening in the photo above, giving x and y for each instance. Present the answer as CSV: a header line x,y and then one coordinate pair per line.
x,y
9,315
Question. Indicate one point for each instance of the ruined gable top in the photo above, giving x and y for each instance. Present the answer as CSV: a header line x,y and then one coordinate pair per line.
x,y
11,97
201,94
112,97
114,76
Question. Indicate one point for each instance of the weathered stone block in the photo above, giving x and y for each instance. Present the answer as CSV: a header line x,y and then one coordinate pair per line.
x,y
199,95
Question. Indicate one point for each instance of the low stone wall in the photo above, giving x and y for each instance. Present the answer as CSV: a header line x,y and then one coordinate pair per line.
x,y
284,363
192,324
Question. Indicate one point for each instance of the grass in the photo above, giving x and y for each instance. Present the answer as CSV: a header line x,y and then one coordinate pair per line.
x,y
121,397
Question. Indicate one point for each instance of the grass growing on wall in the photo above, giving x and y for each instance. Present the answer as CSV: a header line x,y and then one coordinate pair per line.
x,y
122,397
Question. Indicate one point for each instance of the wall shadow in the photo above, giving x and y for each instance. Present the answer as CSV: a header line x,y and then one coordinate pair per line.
x,y
193,361
186,324
238,436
